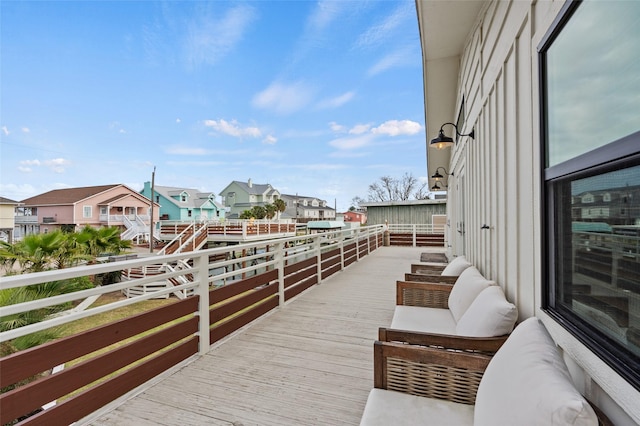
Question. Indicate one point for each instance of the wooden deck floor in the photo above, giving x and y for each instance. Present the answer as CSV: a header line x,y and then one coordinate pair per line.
x,y
309,363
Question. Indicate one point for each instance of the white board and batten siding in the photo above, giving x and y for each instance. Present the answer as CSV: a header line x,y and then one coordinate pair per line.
x,y
498,173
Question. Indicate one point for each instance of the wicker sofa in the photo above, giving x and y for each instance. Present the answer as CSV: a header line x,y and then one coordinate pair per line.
x,y
438,273
525,382
473,307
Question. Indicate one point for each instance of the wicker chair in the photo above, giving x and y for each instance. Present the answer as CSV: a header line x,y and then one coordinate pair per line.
x,y
526,378
423,311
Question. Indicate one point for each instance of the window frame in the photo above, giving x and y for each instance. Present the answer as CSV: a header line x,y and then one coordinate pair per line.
x,y
614,155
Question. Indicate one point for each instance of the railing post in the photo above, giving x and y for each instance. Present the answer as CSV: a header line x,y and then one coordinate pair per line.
x,y
342,238
279,256
415,234
318,249
358,245
202,278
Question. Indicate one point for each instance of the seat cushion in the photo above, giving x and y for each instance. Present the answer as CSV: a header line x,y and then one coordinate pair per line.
x,y
418,318
489,315
467,287
385,407
527,382
456,266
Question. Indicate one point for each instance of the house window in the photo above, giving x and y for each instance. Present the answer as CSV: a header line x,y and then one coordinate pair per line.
x,y
86,212
591,131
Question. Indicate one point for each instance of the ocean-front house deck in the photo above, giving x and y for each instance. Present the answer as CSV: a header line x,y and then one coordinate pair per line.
x,y
258,343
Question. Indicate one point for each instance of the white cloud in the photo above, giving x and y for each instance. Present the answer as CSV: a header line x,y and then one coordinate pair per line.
x,y
338,128
284,98
403,57
232,128
326,11
337,101
359,129
209,39
30,162
379,32
355,142
270,140
397,127
5,130
178,121
25,169
25,130
57,165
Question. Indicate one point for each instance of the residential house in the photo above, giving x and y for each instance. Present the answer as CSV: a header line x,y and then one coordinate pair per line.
x,y
240,196
71,209
184,204
355,217
542,124
304,208
7,221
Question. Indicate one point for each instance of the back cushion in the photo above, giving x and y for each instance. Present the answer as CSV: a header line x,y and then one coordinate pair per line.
x,y
489,315
528,383
468,285
456,266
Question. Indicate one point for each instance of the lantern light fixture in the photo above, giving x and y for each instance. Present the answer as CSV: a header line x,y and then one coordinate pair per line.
x,y
443,141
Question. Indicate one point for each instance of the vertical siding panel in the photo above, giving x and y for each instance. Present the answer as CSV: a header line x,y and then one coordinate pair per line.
x,y
498,219
496,125
529,214
511,178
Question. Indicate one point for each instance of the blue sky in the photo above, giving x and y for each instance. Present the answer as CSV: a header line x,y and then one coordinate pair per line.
x,y
316,98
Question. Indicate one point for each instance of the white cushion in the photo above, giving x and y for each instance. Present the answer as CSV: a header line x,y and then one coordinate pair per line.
x,y
385,408
418,318
528,383
456,266
468,285
489,315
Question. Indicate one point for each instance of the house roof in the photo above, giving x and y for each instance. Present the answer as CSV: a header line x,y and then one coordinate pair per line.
x,y
67,195
256,188
195,199
4,200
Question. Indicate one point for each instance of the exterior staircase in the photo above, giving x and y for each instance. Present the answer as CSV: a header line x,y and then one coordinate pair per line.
x,y
192,238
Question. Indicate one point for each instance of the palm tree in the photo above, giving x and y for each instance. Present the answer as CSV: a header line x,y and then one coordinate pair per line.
x,y
281,206
270,210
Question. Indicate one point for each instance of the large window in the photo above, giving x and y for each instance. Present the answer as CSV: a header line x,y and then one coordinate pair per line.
x,y
591,127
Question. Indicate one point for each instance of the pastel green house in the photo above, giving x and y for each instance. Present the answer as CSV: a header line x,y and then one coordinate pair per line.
x,y
185,204
240,196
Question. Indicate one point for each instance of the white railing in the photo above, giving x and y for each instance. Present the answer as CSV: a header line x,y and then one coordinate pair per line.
x,y
240,260
425,228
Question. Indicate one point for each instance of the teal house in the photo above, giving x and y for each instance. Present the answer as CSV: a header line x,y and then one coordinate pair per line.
x,y
184,204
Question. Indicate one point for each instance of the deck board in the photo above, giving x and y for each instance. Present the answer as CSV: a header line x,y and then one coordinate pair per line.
x,y
309,363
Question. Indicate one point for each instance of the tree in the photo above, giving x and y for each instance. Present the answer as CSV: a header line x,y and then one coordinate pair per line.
x,y
391,189
270,210
281,206
256,212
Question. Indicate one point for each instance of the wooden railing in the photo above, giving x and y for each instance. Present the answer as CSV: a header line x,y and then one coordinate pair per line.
x,y
231,287
416,235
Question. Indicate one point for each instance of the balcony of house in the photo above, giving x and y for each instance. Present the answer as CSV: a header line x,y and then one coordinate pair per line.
x,y
273,332
26,220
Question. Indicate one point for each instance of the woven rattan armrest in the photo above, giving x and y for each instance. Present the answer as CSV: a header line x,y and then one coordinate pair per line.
x,y
484,345
428,372
426,278
429,295
427,269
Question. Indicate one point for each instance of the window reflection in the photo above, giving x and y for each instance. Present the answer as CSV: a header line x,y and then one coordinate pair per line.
x,y
600,256
593,79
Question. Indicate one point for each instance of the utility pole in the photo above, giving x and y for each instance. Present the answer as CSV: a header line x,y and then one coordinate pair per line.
x,y
153,183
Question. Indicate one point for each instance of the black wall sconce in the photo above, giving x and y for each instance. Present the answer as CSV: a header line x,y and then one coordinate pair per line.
x,y
436,187
437,176
444,141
